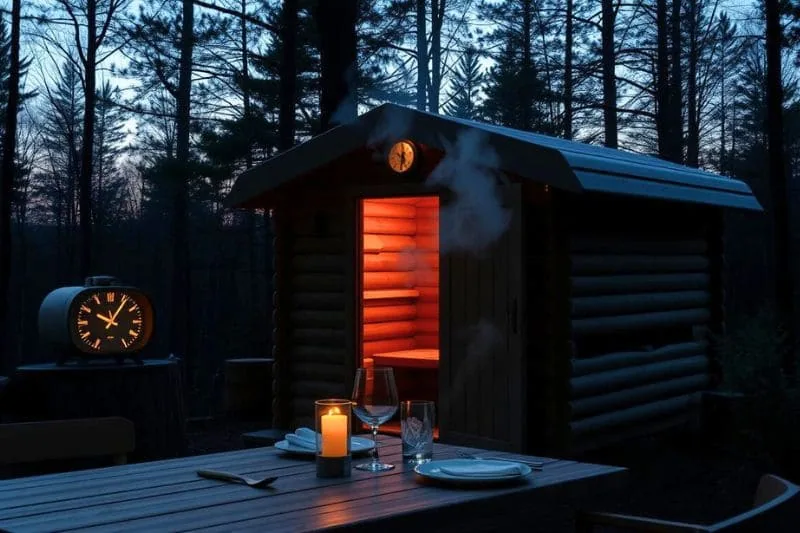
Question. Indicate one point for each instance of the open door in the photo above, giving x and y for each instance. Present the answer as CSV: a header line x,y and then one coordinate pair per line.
x,y
482,367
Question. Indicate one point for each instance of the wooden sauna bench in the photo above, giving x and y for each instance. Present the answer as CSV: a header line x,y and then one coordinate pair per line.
x,y
418,358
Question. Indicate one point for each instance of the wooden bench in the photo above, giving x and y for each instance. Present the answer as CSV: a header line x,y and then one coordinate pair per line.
x,y
31,442
416,358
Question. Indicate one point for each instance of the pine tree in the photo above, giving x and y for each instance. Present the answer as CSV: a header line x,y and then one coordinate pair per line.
x,y
61,125
517,95
108,185
514,95
467,81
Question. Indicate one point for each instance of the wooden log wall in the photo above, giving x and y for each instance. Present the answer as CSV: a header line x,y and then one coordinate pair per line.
x,y
313,358
640,307
400,274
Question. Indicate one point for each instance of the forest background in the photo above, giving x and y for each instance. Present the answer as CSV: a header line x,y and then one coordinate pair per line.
x,y
135,117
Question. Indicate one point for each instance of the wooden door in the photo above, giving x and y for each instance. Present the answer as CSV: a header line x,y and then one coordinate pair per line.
x,y
482,371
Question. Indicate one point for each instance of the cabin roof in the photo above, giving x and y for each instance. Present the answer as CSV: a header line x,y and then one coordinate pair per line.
x,y
568,165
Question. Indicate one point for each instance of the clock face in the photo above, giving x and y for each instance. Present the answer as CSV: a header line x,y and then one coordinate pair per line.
x,y
110,321
402,156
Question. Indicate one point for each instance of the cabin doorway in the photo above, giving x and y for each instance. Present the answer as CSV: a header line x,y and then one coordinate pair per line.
x,y
399,293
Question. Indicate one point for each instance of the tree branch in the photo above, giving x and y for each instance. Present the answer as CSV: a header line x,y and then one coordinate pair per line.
x,y
249,18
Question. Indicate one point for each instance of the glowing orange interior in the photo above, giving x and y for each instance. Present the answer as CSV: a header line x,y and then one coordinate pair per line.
x,y
400,283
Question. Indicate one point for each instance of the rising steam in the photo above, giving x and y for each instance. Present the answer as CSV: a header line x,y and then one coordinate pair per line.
x,y
347,110
476,217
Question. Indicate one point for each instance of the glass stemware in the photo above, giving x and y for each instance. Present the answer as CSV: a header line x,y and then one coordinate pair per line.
x,y
375,401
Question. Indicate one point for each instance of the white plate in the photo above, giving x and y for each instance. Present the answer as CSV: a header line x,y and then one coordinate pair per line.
x,y
432,470
357,445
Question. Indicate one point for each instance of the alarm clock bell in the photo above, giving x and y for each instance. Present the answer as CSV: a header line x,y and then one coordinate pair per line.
x,y
103,319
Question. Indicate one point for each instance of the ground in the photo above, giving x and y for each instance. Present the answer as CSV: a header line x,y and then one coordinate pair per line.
x,y
675,476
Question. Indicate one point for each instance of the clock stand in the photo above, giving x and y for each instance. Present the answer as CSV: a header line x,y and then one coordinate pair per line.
x,y
65,357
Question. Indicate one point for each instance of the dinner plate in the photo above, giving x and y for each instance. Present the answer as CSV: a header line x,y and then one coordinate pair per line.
x,y
433,471
357,445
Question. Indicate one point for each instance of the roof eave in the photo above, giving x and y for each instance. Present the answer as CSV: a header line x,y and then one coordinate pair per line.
x,y
533,162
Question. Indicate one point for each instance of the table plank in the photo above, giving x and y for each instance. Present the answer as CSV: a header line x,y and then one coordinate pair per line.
x,y
383,505
168,495
222,497
139,486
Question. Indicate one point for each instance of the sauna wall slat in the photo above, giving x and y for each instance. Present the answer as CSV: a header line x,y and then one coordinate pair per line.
x,y
388,280
323,301
377,209
389,313
638,303
390,345
604,382
390,262
612,361
592,264
389,226
388,330
632,415
320,319
594,405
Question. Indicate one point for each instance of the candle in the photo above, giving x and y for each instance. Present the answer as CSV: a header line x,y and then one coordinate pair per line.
x,y
334,434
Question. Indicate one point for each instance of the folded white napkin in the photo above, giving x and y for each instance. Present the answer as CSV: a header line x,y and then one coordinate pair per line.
x,y
303,438
483,469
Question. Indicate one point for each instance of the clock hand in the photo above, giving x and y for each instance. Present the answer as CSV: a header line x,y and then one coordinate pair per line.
x,y
107,319
114,316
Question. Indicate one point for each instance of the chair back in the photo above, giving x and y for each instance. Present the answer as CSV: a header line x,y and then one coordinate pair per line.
x,y
776,508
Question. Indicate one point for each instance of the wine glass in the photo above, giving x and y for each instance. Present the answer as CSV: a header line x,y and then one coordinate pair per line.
x,y
375,401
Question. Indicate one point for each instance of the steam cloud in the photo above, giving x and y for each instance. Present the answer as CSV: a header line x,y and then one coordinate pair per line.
x,y
347,110
476,217
393,126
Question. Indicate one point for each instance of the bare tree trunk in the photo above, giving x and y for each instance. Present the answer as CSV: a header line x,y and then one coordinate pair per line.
x,y
692,119
250,216
180,330
662,81
7,172
526,67
245,77
336,23
422,56
437,20
675,88
784,284
609,76
288,74
87,146
723,167
568,82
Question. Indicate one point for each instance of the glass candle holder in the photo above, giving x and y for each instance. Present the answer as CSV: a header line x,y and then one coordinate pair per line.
x,y
333,420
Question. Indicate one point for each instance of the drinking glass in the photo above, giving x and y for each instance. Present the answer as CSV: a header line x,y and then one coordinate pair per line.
x,y
375,401
417,419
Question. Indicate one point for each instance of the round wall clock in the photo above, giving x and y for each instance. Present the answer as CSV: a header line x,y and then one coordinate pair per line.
x,y
402,156
102,319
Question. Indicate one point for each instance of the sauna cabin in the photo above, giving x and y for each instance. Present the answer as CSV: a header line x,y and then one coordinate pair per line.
x,y
587,320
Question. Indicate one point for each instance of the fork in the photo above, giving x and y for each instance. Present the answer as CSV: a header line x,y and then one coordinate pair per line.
x,y
237,478
535,465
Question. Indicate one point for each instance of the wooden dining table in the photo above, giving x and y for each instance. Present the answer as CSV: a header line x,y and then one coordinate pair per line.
x,y
169,496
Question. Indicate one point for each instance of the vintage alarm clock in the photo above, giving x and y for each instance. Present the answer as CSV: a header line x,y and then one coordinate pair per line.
x,y
102,319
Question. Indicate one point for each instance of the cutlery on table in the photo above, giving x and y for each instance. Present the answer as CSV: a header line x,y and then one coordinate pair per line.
x,y
236,478
535,465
